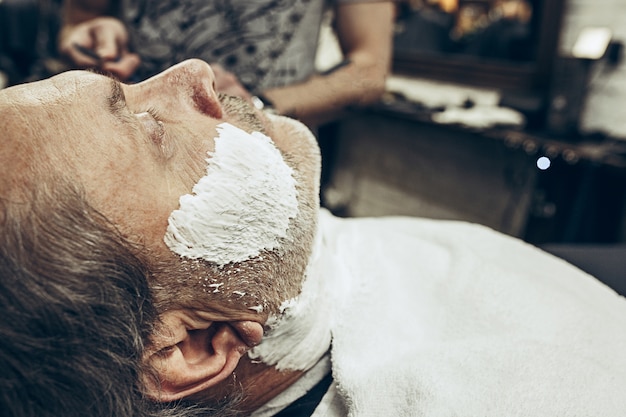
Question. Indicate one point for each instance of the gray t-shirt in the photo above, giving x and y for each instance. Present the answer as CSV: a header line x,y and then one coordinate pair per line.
x,y
266,43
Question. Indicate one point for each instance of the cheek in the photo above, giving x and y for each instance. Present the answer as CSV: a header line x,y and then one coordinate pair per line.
x,y
188,167
138,191
140,213
147,195
134,196
190,143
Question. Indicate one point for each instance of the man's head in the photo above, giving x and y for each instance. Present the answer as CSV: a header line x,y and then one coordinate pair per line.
x,y
129,152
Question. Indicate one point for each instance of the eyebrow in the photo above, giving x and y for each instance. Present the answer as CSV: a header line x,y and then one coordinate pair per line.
x,y
116,99
116,103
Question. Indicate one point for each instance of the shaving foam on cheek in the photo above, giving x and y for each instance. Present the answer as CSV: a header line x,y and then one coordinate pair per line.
x,y
242,205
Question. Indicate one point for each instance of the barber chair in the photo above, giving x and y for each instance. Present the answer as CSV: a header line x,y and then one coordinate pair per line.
x,y
605,262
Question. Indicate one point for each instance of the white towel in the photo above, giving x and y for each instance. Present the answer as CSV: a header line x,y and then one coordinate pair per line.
x,y
443,318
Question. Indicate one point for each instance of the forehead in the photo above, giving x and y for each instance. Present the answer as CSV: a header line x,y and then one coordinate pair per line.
x,y
53,91
30,108
34,115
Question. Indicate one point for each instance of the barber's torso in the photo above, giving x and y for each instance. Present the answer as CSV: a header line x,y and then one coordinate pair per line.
x,y
266,43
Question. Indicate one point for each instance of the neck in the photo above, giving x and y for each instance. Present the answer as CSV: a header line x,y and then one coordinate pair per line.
x,y
261,383
251,385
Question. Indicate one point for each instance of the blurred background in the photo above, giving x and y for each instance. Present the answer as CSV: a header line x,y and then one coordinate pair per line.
x,y
508,113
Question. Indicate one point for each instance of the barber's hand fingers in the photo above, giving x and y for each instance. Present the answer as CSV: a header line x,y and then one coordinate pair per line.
x,y
73,42
110,38
124,67
94,41
226,82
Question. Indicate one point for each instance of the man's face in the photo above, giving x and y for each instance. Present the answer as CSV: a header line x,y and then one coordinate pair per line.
x,y
135,148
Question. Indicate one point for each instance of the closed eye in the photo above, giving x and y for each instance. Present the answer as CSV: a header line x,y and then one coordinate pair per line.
x,y
153,127
150,119
154,113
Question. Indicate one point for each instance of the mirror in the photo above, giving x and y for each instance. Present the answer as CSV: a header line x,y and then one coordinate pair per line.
x,y
504,44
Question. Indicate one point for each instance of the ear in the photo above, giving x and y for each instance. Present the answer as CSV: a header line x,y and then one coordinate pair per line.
x,y
193,354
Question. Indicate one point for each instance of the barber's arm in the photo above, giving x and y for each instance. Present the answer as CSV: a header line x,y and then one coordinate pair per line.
x,y
92,37
364,32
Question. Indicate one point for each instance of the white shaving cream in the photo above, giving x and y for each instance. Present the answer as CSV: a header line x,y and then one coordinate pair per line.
x,y
301,334
242,205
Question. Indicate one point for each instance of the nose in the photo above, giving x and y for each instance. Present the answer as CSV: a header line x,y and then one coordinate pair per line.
x,y
189,85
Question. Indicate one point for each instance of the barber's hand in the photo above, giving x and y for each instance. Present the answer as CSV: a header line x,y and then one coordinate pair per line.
x,y
226,82
100,43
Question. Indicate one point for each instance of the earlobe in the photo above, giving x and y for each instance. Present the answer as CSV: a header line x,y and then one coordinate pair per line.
x,y
195,355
